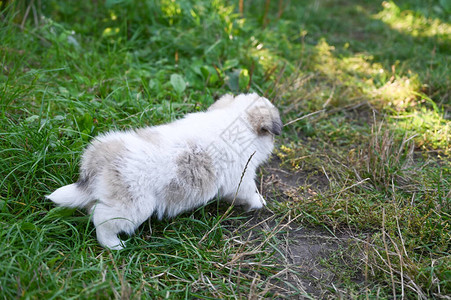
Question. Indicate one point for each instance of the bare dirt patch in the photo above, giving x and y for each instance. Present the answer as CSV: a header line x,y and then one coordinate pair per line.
x,y
302,251
281,184
303,255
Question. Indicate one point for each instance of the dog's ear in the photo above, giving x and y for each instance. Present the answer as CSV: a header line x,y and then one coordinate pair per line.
x,y
265,120
222,102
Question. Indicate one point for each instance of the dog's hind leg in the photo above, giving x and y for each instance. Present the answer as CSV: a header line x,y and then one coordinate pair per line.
x,y
110,220
113,217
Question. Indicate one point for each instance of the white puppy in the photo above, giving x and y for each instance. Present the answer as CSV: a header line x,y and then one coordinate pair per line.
x,y
126,177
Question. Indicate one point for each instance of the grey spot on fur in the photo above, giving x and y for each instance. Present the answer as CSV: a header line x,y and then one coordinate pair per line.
x,y
195,174
264,120
118,190
83,182
195,168
174,192
98,159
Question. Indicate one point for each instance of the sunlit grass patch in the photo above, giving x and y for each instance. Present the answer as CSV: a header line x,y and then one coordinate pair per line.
x,y
399,93
428,127
359,66
412,23
360,78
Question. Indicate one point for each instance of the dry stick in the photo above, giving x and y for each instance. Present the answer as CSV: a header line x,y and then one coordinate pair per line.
x,y
27,11
231,205
280,12
388,254
349,187
303,117
288,253
251,73
211,285
252,289
401,260
268,73
367,255
265,15
331,95
291,78
279,76
446,197
139,113
35,16
327,176
375,247
238,277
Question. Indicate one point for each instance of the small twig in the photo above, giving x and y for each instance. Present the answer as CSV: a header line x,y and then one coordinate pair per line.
x,y
11,50
139,113
280,12
35,16
251,73
303,117
367,258
330,97
265,15
349,187
350,107
25,17
388,254
325,173
279,77
401,261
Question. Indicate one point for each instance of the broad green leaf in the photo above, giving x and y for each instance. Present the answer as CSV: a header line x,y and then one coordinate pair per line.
x,y
231,63
27,226
233,81
446,4
178,83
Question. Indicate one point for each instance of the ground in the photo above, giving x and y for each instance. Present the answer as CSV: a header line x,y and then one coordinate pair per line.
x,y
358,187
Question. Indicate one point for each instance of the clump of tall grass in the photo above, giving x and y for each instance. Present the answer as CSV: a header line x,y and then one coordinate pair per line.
x,y
385,159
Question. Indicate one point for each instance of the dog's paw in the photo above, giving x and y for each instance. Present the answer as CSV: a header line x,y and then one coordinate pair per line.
x,y
109,240
116,247
257,202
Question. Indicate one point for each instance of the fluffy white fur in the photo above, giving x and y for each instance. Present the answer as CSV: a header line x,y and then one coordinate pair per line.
x,y
126,177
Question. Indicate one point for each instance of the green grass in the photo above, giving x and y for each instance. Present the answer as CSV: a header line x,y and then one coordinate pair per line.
x,y
376,160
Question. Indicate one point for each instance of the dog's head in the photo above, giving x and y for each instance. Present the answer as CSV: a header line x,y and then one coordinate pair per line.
x,y
262,116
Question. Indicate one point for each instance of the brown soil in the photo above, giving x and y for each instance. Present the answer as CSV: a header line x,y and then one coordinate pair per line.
x,y
303,250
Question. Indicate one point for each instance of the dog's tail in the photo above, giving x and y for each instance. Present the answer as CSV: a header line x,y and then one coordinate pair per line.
x,y
71,196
